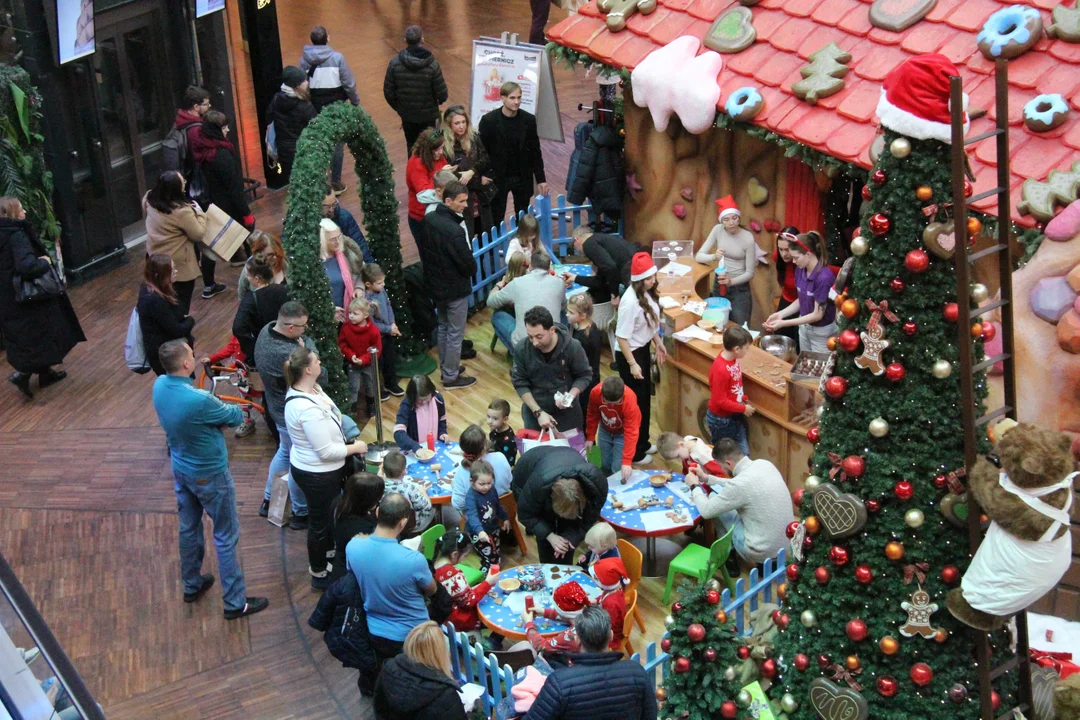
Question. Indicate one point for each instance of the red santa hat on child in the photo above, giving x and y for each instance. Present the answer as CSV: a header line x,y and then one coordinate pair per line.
x,y
727,206
641,266
570,598
609,573
915,99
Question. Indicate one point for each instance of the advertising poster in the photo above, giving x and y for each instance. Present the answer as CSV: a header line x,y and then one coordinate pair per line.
x,y
205,7
75,29
495,64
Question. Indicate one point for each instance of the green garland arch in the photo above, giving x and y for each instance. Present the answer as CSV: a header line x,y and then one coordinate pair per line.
x,y
343,123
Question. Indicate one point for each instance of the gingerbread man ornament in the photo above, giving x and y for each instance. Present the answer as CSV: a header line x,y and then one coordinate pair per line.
x,y
919,611
873,338
619,11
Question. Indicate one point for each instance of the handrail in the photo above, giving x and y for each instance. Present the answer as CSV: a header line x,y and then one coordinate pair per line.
x,y
47,643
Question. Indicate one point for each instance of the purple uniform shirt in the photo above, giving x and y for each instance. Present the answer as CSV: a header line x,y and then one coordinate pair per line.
x,y
814,289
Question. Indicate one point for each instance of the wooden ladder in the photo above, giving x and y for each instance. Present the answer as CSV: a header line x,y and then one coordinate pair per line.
x,y
1004,304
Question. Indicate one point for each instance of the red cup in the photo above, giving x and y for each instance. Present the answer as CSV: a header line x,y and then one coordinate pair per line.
x,y
529,603
494,570
431,441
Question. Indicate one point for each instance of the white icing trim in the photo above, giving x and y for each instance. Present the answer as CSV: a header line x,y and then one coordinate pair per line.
x,y
912,125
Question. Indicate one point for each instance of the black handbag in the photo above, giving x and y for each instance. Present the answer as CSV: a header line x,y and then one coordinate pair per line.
x,y
37,289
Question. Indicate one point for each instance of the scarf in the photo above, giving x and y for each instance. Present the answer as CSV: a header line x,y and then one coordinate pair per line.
x,y
346,278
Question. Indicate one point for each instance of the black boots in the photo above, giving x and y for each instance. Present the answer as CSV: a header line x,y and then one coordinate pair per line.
x,y
21,380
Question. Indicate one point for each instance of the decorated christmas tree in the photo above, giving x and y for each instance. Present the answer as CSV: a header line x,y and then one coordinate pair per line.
x,y
883,534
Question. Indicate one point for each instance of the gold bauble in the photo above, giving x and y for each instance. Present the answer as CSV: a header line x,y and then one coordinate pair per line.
x,y
661,694
781,591
914,518
889,645
879,427
894,550
924,192
721,617
852,662
813,525
942,369
941,635
979,292
900,148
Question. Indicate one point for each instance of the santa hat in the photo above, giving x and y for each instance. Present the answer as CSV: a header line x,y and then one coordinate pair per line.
x,y
609,573
915,99
570,599
727,206
641,267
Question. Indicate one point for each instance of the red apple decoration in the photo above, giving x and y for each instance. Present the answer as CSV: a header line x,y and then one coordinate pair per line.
x,y
878,177
989,332
743,652
897,285
709,654
665,644
682,664
823,661
792,528
728,709
873,506
768,668
866,193
712,597
792,572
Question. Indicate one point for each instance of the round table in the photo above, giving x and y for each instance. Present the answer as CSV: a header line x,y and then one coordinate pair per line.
x,y
501,611
631,521
577,269
437,485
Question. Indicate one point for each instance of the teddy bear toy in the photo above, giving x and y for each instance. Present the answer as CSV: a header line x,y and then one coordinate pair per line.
x,y
1026,491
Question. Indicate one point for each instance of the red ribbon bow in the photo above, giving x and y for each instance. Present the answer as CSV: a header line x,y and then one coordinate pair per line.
x,y
953,481
883,308
916,570
842,673
931,210
837,469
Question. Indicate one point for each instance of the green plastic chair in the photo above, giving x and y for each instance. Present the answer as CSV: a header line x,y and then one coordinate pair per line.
x,y
701,562
428,538
473,575
593,456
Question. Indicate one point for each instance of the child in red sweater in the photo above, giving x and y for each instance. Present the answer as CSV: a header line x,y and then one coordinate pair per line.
x,y
727,409
610,574
613,422
355,338
453,546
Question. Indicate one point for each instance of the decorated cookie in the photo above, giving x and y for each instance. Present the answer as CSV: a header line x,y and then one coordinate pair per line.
x,y
759,194
744,104
1066,24
1045,112
1010,32
897,15
732,32
940,239
619,11
823,75
1040,199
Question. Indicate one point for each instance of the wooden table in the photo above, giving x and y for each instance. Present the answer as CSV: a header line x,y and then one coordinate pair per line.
x,y
501,611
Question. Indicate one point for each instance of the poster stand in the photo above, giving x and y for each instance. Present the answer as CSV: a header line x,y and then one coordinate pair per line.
x,y
499,60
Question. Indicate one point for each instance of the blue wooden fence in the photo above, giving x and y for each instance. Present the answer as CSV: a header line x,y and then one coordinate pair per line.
x,y
472,665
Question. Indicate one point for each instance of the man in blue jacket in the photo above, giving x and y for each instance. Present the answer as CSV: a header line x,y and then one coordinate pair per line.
x,y
596,684
193,420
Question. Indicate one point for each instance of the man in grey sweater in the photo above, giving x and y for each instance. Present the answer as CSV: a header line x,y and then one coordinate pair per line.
x,y
538,287
272,348
550,361
754,502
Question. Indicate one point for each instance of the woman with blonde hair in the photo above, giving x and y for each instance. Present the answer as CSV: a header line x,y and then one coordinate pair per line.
x,y
270,249
342,264
462,148
419,684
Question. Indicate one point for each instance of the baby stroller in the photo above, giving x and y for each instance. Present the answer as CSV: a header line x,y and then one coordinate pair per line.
x,y
235,384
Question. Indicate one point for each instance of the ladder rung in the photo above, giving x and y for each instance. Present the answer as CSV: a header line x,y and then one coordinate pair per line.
x,y
987,308
991,416
983,136
982,196
988,251
990,361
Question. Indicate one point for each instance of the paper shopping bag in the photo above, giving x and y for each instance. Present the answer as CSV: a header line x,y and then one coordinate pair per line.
x,y
550,441
279,499
223,236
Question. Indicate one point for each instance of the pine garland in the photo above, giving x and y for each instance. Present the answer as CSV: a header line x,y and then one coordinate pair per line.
x,y
342,122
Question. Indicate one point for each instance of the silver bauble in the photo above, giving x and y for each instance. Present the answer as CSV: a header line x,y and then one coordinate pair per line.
x,y
914,518
812,482
744,698
859,246
879,427
729,674
668,621
713,585
942,369
979,292
788,703
900,148
808,618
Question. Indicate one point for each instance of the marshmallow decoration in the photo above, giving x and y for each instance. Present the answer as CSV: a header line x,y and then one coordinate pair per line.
x,y
675,79
1066,225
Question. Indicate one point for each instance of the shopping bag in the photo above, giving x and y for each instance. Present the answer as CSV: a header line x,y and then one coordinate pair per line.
x,y
552,440
223,236
279,499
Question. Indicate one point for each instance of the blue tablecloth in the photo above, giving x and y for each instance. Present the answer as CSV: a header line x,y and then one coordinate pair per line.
x,y
577,269
438,490
506,615
631,519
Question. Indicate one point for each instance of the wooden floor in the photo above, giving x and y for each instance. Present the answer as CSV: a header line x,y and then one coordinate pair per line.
x,y
87,512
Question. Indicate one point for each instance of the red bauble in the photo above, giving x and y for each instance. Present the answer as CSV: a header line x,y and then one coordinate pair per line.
x,y
968,189
864,574
866,193
989,331
880,223
872,506
665,644
854,466
792,528
909,328
709,654
887,686
951,313
917,261
835,387
838,555
903,490
797,496
921,674
682,664
822,575
808,542
780,619
743,652
848,340
728,709
823,661
856,630
879,177
696,632
813,435
940,481
792,572
712,597
995,700
895,371
768,668
676,608
950,574
802,662
897,285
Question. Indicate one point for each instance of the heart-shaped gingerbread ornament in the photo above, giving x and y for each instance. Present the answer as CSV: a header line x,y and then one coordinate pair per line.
x,y
841,514
940,239
955,508
832,702
732,32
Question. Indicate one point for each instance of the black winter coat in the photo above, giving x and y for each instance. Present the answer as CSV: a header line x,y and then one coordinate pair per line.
x,y
500,147
611,255
257,308
414,85
449,265
600,172
534,474
290,116
161,321
407,690
225,179
598,686
37,334
340,616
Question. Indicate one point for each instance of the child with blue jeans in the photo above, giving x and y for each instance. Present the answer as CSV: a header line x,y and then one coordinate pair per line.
x,y
382,314
726,417
613,423
485,517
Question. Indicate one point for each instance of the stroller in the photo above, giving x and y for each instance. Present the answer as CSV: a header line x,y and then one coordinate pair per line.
x,y
236,384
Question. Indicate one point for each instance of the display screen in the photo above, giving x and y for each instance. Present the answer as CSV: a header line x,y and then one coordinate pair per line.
x,y
205,7
75,29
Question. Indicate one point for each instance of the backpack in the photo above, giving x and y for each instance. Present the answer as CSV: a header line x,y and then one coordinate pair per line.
x,y
134,352
175,150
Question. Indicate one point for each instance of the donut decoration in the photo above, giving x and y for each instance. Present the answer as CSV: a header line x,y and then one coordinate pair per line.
x,y
744,104
1045,112
1010,32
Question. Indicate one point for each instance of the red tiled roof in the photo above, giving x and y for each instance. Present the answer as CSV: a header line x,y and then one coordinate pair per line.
x,y
843,125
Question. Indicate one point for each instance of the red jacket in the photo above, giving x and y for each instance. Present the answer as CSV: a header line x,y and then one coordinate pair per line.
x,y
417,179
615,604
725,381
464,615
231,349
623,418
356,339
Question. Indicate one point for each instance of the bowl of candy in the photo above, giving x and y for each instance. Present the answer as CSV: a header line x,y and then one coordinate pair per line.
x,y
510,585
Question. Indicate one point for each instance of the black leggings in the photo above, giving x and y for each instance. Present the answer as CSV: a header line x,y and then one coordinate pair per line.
x,y
320,489
643,389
